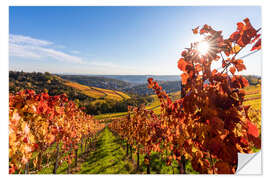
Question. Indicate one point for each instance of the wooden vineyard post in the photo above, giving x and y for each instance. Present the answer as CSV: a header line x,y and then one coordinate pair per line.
x,y
149,164
184,161
90,143
68,168
85,145
127,148
76,157
56,159
82,145
39,160
130,152
138,158
180,167
26,171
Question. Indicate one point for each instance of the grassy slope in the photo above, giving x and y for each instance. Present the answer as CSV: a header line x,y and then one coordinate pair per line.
x,y
110,158
107,157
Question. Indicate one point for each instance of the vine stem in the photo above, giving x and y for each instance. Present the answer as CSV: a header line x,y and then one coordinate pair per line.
x,y
227,65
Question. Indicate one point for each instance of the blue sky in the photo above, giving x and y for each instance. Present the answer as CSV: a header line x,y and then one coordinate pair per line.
x,y
116,40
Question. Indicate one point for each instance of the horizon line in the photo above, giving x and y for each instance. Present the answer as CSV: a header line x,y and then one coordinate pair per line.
x,y
61,73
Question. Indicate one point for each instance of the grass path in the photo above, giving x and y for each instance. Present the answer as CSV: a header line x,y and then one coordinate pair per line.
x,y
108,158
107,155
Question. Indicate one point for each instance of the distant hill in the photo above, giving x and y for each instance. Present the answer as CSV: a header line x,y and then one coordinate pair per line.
x,y
55,85
98,81
40,82
133,84
142,79
253,80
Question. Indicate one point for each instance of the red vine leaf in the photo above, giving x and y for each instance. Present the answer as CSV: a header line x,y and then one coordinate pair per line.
x,y
195,30
182,64
257,45
184,78
232,70
252,129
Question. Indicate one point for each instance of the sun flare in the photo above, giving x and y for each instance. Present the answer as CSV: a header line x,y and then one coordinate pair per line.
x,y
203,47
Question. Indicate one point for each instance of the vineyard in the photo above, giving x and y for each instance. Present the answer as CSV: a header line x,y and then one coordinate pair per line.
x,y
40,121
98,93
197,130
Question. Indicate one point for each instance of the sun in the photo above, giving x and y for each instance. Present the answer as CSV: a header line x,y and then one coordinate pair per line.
x,y
203,47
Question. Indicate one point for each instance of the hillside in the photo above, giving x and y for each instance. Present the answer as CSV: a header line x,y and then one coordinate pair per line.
x,y
97,81
96,100
98,93
130,84
41,82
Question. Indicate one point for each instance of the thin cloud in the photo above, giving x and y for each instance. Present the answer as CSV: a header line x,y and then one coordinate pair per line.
x,y
22,51
28,47
19,39
75,52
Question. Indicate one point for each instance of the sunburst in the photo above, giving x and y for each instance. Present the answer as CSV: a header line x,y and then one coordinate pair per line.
x,y
203,47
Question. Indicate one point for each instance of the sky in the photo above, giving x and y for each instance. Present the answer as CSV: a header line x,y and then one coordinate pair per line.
x,y
116,40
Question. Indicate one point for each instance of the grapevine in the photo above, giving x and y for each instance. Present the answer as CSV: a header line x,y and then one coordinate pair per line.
x,y
209,124
37,121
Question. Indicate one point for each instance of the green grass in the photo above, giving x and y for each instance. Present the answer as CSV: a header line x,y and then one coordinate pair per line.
x,y
62,169
108,158
157,165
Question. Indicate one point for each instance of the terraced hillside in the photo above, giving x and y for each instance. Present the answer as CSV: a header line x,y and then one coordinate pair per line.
x,y
97,81
253,97
98,93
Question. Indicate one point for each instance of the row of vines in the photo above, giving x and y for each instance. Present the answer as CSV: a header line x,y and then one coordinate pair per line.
x,y
209,124
38,122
